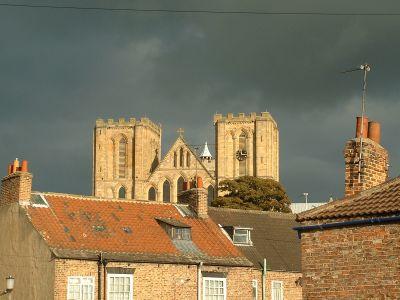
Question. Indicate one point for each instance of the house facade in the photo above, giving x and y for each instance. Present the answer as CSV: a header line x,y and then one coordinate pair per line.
x,y
350,247
269,242
62,246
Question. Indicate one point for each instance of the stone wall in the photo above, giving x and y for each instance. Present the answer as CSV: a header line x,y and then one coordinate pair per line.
x,y
352,263
262,145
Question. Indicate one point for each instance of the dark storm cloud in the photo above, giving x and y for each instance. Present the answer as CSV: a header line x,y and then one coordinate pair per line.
x,y
62,69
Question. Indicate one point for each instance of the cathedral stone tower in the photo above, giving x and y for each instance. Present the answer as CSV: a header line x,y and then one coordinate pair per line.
x,y
246,145
124,155
371,167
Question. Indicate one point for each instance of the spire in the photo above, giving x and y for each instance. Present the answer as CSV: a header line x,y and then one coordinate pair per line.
x,y
206,153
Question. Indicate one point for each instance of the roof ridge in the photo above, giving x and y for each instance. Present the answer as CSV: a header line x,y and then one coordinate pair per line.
x,y
252,211
313,213
93,198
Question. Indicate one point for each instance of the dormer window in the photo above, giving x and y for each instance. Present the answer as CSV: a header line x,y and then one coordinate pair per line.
x,y
175,229
242,236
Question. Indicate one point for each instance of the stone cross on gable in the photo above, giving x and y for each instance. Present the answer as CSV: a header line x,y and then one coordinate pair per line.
x,y
180,131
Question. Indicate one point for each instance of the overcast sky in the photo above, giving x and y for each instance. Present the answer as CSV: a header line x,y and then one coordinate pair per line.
x,y
62,69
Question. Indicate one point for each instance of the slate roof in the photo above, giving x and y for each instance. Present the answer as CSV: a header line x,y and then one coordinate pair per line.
x,y
382,200
82,227
272,235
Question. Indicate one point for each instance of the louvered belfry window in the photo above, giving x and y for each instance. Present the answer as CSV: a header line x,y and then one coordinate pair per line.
x,y
122,158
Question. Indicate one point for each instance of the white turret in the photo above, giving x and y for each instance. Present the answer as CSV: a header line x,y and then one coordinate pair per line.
x,y
206,155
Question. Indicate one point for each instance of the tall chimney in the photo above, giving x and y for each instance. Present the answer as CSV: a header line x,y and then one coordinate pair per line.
x,y
196,198
374,159
16,187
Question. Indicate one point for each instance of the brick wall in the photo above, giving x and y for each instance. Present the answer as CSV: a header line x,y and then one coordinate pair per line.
x,y
16,187
374,169
352,263
291,284
160,281
197,199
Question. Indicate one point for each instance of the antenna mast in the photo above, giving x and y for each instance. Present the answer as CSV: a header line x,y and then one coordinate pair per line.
x,y
365,68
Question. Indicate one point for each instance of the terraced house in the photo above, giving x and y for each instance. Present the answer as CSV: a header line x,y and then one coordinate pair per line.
x,y
61,246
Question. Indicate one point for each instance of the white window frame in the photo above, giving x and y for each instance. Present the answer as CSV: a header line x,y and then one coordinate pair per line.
x,y
130,276
254,285
213,279
80,285
248,236
272,289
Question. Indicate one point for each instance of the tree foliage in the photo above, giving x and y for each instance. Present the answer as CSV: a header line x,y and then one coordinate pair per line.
x,y
253,193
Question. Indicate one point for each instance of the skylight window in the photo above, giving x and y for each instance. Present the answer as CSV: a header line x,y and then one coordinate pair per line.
x,y
242,236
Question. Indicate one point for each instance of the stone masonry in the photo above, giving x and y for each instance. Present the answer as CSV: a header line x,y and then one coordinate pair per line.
x,y
260,141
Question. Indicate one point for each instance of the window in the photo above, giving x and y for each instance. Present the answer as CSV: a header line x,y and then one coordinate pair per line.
x,y
175,160
181,158
152,194
166,191
210,194
254,286
179,233
179,185
120,286
214,288
277,290
188,159
242,236
242,147
121,193
122,158
80,288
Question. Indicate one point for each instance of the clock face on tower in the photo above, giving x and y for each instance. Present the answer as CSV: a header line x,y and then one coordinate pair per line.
x,y
241,155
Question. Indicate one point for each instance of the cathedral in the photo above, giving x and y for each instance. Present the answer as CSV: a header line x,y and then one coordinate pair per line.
x,y
127,161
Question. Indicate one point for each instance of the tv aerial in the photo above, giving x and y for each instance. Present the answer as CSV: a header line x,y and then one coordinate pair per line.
x,y
365,68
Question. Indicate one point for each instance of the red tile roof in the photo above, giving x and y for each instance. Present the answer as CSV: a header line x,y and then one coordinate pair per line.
x,y
382,200
116,226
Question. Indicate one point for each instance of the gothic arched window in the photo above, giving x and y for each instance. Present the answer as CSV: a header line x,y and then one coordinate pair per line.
x,y
179,185
122,193
175,160
166,191
242,147
122,158
188,159
152,196
210,194
181,158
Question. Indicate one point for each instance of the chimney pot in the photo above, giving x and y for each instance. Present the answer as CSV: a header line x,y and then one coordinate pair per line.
x,y
365,127
10,169
374,131
199,182
24,166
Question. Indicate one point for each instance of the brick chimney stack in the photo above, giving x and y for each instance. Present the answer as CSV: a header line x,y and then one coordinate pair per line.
x,y
374,159
16,187
196,197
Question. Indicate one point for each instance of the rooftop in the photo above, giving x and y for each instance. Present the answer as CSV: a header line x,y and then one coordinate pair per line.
x,y
272,236
382,200
77,226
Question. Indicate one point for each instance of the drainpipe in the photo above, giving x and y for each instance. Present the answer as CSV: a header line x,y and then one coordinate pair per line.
x,y
105,279
264,276
199,266
99,263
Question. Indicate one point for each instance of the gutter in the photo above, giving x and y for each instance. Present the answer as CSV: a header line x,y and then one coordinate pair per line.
x,y
199,267
370,221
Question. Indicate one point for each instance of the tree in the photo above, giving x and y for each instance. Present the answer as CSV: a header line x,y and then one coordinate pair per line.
x,y
253,193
